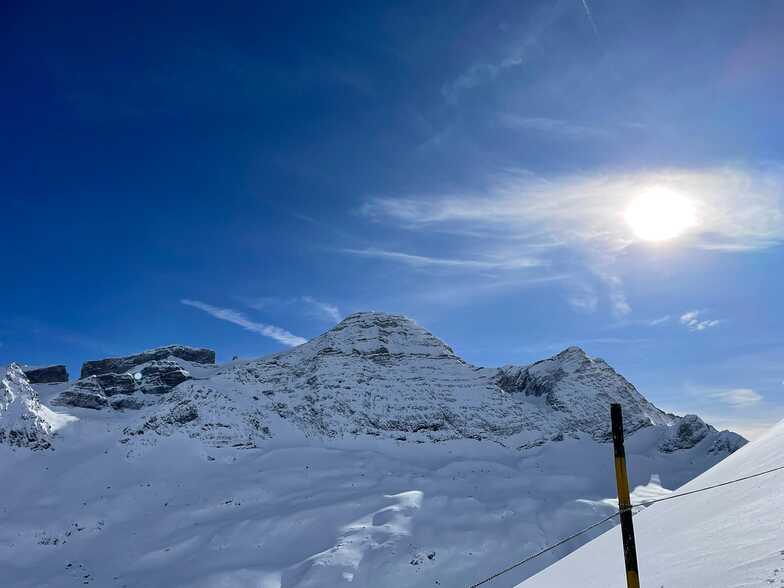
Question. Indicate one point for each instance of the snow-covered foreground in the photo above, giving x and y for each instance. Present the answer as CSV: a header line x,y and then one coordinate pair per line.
x,y
728,537
294,514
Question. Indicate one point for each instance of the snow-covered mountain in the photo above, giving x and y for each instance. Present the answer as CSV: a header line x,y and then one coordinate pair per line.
x,y
370,456
24,421
725,537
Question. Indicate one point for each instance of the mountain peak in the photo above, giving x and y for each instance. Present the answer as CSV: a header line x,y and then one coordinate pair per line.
x,y
24,421
380,332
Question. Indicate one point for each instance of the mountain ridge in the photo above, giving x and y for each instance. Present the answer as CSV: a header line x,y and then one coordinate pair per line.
x,y
374,374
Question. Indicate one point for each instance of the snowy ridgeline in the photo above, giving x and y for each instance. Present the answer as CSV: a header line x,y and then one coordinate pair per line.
x,y
369,456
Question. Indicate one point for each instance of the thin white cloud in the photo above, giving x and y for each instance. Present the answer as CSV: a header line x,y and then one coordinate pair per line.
x,y
658,321
589,14
620,305
693,322
237,318
327,310
481,73
307,305
583,303
486,72
552,126
738,397
583,299
425,261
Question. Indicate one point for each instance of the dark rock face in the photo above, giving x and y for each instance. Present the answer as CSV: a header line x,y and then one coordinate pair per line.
x,y
182,413
52,374
127,402
112,384
161,376
119,391
86,393
118,365
691,429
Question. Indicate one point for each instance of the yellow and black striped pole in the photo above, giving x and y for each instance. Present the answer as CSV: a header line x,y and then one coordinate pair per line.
x,y
624,503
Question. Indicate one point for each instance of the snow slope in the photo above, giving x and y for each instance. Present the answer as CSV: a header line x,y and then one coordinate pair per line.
x,y
728,537
371,456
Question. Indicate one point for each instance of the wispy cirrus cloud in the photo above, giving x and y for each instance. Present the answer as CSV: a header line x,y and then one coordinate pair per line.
x,y
239,319
514,55
306,305
738,397
693,322
324,309
582,297
589,15
553,126
481,73
426,261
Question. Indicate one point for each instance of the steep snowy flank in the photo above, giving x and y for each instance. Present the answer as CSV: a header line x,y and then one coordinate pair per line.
x,y
728,537
24,421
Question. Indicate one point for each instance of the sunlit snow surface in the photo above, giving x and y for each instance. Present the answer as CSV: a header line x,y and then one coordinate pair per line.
x,y
366,513
728,537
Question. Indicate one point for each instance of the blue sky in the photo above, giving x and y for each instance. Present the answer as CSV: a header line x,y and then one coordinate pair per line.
x,y
242,176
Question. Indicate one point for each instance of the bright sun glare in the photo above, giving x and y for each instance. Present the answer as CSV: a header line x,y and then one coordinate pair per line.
x,y
659,214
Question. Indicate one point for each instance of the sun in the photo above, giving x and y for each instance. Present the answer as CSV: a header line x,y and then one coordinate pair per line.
x,y
660,214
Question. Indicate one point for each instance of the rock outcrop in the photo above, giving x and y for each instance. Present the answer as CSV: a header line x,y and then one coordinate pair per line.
x,y
120,390
51,374
690,430
154,372
119,365
159,377
84,393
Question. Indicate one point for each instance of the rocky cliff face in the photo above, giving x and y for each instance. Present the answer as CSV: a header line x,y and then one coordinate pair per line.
x,y
119,365
126,390
52,374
